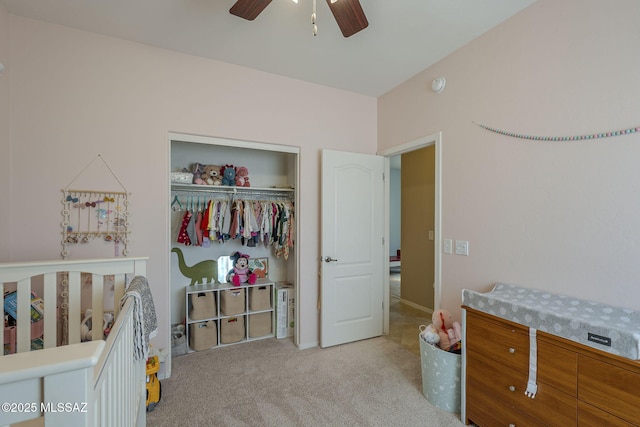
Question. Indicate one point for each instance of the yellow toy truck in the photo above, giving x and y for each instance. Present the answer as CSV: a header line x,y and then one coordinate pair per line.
x,y
154,388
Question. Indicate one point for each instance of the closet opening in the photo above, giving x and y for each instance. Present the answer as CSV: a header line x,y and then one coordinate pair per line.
x,y
242,226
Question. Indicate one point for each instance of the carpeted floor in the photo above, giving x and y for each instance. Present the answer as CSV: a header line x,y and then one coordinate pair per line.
x,y
374,382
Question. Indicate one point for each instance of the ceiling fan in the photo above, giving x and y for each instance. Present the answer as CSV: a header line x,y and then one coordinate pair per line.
x,y
347,13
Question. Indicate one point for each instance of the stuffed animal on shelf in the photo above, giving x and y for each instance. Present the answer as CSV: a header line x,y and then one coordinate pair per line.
x,y
198,170
448,329
228,175
211,175
241,273
429,334
242,177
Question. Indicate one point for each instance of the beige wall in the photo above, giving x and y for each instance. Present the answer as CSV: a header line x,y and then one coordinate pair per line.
x,y
5,143
418,195
557,216
76,94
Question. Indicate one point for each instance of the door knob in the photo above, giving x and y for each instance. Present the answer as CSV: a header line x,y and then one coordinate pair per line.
x,y
329,259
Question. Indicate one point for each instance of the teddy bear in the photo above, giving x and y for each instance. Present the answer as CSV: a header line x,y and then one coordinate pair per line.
x,y
211,175
242,177
448,329
241,273
198,170
228,175
429,334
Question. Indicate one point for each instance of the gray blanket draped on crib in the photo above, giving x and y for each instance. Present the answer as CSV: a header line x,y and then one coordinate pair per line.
x,y
144,314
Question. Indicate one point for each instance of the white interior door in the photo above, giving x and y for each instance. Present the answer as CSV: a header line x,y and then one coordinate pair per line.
x,y
352,247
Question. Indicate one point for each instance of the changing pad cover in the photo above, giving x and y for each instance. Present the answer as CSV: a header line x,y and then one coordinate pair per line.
x,y
612,329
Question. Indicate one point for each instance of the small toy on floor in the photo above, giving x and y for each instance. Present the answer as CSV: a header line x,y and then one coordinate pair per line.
x,y
154,388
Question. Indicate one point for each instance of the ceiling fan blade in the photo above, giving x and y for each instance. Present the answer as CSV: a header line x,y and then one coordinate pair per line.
x,y
249,9
349,16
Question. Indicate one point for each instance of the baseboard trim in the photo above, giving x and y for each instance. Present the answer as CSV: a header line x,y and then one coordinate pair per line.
x,y
416,306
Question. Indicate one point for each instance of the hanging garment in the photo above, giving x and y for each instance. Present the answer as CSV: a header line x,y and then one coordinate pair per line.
x,y
183,236
211,227
204,226
234,228
199,228
191,228
215,231
225,220
247,220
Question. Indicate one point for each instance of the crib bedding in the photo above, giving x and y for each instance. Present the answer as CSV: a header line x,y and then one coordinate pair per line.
x,y
611,329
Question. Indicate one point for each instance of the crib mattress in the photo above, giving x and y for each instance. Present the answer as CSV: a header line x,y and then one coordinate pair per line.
x,y
612,329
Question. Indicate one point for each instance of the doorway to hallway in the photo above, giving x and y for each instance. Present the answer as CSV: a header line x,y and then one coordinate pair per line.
x,y
414,230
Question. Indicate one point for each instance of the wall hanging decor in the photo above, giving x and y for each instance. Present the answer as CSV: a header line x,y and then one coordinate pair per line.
x,y
93,214
561,138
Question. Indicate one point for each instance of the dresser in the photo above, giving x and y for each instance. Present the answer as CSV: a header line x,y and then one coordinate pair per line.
x,y
576,385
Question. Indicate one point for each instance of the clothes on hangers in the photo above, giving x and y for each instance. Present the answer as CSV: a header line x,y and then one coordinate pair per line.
x,y
268,221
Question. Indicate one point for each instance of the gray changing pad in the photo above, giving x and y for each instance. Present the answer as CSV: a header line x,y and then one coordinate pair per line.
x,y
612,329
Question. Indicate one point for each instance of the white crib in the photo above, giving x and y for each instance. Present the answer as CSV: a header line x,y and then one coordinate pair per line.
x,y
69,382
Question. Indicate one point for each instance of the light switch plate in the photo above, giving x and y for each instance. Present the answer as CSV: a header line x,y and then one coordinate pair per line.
x,y
462,247
448,246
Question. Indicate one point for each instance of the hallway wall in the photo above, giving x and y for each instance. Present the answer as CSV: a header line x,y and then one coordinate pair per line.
x,y
418,206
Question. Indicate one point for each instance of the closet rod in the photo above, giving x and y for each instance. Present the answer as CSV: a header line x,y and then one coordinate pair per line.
x,y
231,190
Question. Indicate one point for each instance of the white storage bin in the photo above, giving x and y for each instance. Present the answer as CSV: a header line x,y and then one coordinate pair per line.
x,y
441,379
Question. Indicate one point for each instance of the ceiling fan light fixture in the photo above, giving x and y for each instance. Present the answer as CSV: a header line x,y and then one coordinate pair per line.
x,y
348,14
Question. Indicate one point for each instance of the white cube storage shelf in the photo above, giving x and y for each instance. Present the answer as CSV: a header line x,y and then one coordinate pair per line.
x,y
233,314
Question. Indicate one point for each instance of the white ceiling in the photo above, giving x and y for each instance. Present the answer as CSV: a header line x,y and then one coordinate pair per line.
x,y
404,37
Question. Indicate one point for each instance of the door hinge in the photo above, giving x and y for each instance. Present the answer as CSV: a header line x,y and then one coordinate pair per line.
x,y
383,241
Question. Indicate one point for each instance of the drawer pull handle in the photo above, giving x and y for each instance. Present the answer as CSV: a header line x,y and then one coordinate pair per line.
x,y
512,425
512,388
512,350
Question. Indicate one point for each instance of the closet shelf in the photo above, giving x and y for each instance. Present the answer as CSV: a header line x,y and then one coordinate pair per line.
x,y
228,189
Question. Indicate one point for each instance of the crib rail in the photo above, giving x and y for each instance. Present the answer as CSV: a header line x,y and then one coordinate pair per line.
x,y
61,283
94,383
120,381
35,383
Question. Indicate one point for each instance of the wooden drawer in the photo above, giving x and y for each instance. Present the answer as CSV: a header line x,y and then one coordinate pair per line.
x,y
506,389
610,388
591,416
557,367
483,412
508,344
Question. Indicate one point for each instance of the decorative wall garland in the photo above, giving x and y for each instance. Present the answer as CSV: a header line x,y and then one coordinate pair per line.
x,y
92,214
561,138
